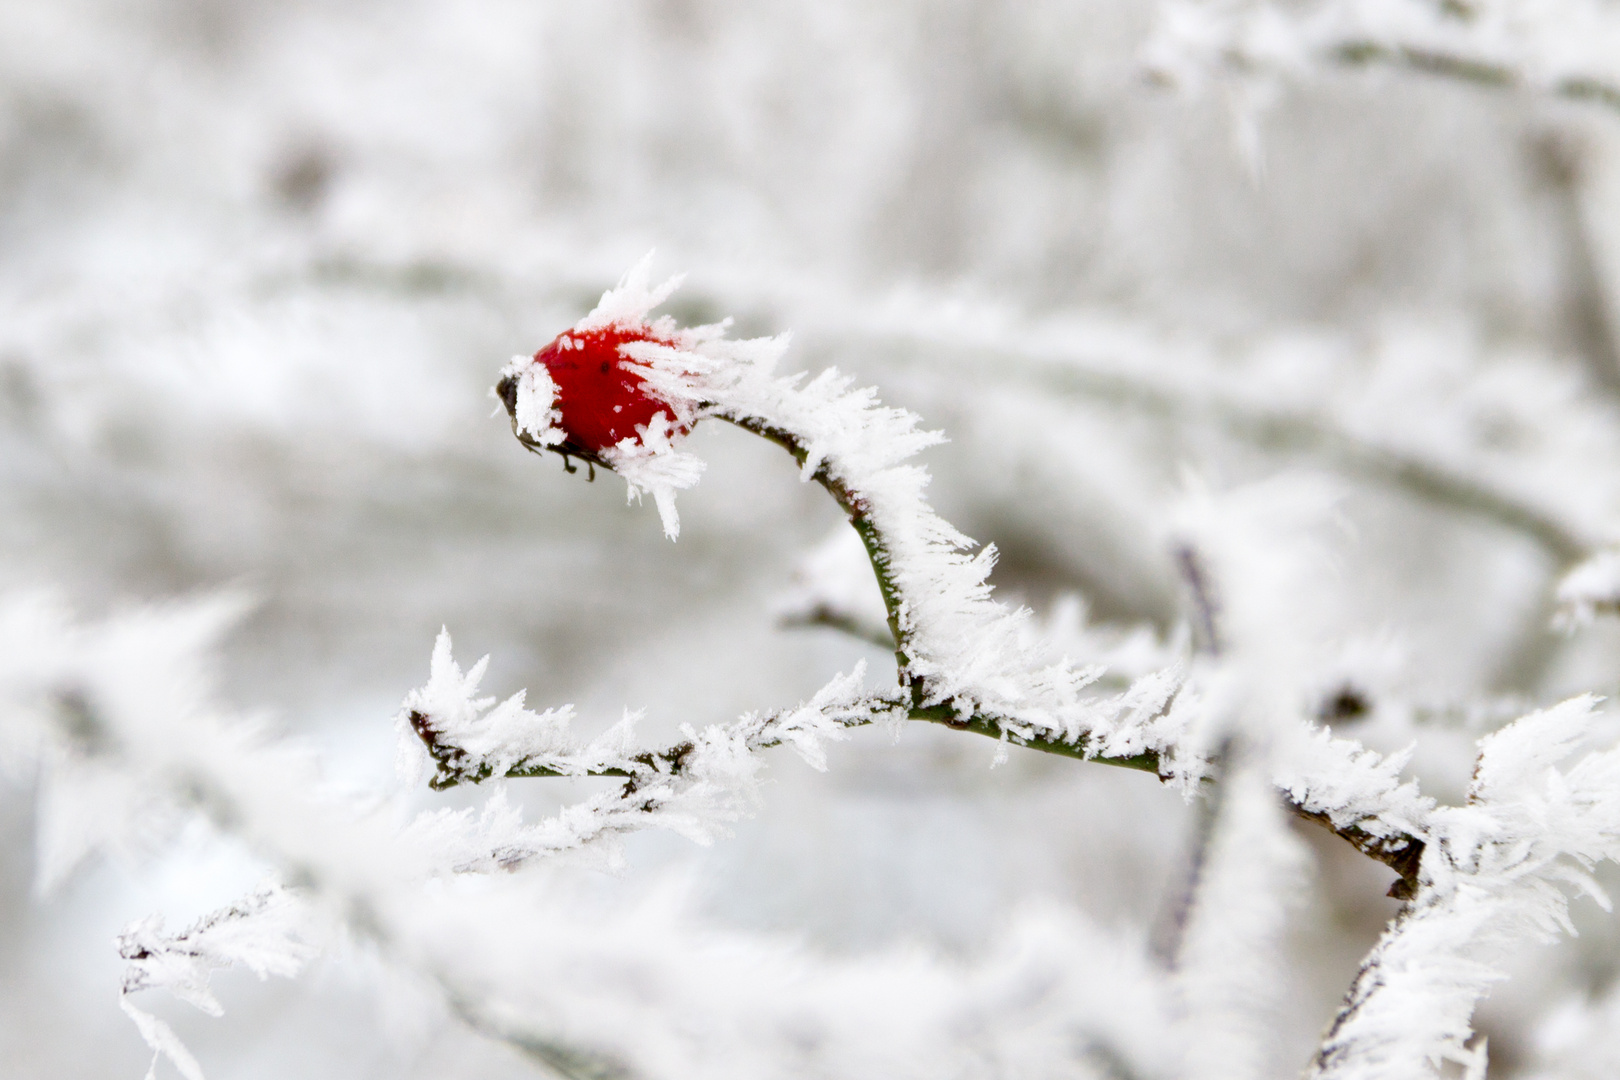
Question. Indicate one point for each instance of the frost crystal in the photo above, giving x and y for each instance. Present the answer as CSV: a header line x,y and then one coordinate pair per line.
x,y
693,788
652,464
535,413
447,713
261,933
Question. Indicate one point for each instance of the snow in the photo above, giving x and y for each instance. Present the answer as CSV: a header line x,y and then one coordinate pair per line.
x,y
536,415
260,262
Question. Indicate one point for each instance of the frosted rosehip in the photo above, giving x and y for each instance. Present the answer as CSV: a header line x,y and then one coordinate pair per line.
x,y
600,397
601,401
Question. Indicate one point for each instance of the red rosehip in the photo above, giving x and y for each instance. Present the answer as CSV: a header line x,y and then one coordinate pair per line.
x,y
601,400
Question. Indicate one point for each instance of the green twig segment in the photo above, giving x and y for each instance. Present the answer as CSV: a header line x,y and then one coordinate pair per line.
x,y
853,505
844,623
1479,72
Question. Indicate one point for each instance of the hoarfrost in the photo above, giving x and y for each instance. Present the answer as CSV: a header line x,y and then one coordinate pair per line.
x,y
1230,976
1499,870
262,933
652,464
536,414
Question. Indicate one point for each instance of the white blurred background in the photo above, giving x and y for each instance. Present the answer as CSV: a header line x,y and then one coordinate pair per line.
x,y
260,262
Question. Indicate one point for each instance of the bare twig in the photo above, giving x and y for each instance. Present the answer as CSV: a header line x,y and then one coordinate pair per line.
x,y
1205,610
1451,65
842,621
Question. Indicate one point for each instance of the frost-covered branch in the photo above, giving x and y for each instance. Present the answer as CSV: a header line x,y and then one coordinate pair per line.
x,y
261,933
1228,956
691,787
471,740
1565,48
1401,426
959,655
642,986
1498,871
963,659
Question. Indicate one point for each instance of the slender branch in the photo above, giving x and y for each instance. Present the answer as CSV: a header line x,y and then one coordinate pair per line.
x,y
1559,161
569,1062
1402,852
1430,61
1473,57
991,727
1171,939
842,621
850,501
1170,935
1204,608
456,768
1275,430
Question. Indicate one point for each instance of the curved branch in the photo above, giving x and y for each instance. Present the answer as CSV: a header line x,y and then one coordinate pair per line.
x,y
877,549
797,419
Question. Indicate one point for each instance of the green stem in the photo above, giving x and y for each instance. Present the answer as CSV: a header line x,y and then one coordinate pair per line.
x,y
853,505
1480,72
843,622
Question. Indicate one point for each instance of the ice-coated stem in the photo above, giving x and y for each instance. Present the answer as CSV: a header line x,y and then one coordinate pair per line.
x,y
959,658
1400,851
877,550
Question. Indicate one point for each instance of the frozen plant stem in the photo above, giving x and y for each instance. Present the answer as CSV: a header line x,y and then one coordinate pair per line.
x,y
1301,433
1430,61
565,1061
877,550
1172,932
1399,851
845,624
